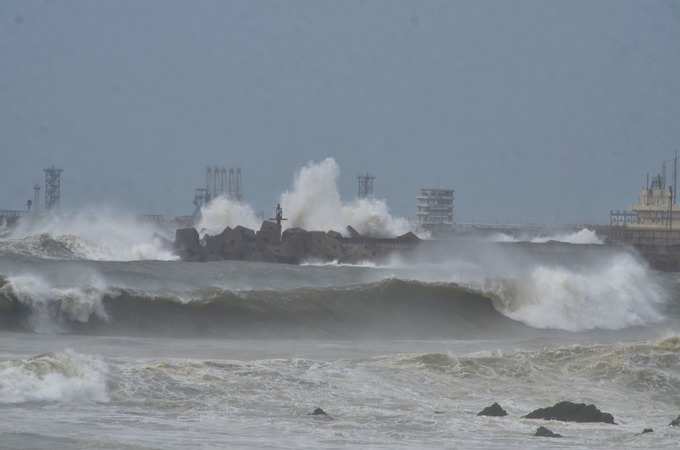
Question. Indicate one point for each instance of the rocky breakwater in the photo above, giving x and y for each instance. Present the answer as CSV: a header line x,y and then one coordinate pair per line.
x,y
293,246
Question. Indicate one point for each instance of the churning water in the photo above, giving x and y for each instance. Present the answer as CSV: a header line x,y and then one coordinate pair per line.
x,y
104,345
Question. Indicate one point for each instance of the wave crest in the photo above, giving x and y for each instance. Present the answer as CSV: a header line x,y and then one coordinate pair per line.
x,y
583,236
622,294
52,309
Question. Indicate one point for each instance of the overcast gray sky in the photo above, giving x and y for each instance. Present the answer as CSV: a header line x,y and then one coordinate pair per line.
x,y
534,111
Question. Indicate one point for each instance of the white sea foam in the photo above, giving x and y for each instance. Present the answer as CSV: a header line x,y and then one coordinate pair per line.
x,y
621,294
583,236
91,233
54,377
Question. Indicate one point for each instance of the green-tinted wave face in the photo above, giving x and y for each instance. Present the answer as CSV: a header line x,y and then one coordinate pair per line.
x,y
390,307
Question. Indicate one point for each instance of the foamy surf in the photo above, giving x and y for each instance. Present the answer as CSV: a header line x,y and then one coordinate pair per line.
x,y
53,377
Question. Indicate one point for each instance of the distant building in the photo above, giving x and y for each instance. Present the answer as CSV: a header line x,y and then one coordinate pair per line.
x,y
435,210
656,209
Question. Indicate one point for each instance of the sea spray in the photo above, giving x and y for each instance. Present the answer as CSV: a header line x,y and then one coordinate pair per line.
x,y
584,236
314,203
621,294
222,212
90,233
53,308
609,289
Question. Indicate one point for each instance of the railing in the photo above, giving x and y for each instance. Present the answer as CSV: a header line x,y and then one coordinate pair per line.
x,y
643,236
623,218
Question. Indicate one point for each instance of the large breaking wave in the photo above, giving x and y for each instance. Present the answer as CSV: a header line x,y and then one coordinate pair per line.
x,y
621,294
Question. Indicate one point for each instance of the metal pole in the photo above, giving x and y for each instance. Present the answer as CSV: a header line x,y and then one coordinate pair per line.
x,y
670,208
675,176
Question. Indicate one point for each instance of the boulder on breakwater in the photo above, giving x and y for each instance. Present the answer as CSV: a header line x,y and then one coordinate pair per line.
x,y
675,422
187,243
572,412
293,246
494,410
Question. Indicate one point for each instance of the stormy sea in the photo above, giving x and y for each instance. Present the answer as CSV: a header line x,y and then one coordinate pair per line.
x,y
109,342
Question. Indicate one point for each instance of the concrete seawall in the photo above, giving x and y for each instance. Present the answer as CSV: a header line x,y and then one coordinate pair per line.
x,y
661,248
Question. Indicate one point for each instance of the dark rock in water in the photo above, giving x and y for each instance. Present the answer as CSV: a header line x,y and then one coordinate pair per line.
x,y
187,244
647,430
318,412
353,233
571,412
675,422
544,432
494,410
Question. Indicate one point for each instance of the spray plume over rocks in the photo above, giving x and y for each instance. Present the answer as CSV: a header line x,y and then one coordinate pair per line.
x,y
317,226
222,212
313,203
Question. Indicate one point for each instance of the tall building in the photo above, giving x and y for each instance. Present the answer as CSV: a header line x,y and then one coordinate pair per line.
x,y
435,210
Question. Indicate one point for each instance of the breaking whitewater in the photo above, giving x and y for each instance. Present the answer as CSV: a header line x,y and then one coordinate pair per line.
x,y
107,341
